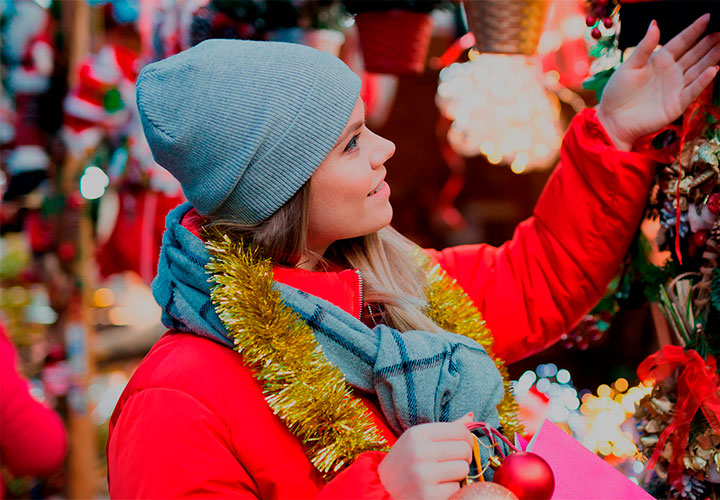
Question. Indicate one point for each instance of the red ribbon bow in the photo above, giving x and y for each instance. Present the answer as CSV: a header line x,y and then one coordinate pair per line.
x,y
697,387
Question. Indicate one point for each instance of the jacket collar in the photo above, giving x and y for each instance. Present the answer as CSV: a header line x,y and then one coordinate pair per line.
x,y
341,288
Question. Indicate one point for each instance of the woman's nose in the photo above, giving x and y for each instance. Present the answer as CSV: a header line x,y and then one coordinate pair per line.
x,y
384,150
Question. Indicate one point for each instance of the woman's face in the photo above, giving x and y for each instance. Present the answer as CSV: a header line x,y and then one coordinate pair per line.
x,y
348,193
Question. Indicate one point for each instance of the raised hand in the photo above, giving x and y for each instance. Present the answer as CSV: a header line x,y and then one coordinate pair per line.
x,y
652,88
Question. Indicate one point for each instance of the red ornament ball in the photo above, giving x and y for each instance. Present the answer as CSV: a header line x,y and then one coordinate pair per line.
x,y
590,20
700,238
607,22
483,491
714,203
527,475
595,33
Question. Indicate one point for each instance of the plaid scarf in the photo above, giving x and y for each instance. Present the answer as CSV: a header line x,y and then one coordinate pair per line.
x,y
417,376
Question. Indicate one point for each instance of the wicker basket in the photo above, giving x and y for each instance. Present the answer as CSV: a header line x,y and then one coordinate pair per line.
x,y
394,41
506,26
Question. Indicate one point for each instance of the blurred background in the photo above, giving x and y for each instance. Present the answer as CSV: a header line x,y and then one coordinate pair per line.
x,y
477,124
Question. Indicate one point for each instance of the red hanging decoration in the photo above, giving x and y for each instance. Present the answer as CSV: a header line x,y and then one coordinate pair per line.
x,y
692,124
697,388
527,475
483,491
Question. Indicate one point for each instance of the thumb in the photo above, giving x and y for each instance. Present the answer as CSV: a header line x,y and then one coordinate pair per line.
x,y
645,48
466,419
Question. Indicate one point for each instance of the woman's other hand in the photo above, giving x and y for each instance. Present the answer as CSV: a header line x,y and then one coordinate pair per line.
x,y
652,88
428,460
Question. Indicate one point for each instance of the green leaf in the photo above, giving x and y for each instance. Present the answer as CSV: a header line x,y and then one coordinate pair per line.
x,y
715,289
598,81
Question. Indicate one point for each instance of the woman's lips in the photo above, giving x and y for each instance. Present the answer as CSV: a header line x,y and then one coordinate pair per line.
x,y
382,190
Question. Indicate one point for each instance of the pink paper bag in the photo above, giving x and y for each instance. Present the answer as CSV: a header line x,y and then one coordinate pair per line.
x,y
579,473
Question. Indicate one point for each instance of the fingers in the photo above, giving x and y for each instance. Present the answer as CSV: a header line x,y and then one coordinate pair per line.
x,y
682,42
692,56
445,431
452,450
645,48
708,60
466,419
453,470
694,89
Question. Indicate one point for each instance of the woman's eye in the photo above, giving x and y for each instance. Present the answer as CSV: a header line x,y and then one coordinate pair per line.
x,y
353,143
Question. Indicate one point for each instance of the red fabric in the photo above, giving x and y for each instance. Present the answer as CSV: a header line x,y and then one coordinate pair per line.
x,y
559,262
193,420
697,388
134,244
32,437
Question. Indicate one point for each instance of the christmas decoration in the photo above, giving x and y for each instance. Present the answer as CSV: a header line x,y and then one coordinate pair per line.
x,y
527,475
681,445
135,240
29,55
679,420
506,26
336,428
500,109
484,490
394,34
601,13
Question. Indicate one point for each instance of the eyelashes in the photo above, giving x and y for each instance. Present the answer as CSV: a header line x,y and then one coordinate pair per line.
x,y
352,144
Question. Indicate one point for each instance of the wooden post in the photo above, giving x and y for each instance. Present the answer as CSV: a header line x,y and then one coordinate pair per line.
x,y
83,471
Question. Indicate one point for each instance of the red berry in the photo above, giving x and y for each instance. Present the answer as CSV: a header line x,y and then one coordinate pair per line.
x,y
598,12
601,3
607,22
595,33
714,203
590,20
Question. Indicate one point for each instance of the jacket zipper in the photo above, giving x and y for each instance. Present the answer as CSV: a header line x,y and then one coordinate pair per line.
x,y
360,292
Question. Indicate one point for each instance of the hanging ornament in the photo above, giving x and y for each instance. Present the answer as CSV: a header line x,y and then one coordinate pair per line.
x,y
601,14
527,475
483,491
506,26
500,109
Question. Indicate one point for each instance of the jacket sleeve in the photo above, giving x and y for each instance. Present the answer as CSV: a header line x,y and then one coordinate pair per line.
x,y
559,262
166,444
359,480
32,436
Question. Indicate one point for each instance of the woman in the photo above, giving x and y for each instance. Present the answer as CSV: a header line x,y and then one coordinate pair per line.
x,y
346,383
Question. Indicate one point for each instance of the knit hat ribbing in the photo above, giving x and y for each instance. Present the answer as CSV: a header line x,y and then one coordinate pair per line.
x,y
243,124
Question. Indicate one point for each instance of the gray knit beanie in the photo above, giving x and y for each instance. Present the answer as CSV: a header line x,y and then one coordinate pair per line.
x,y
243,124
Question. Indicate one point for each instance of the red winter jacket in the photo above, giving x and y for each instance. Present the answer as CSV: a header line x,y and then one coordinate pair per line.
x,y
193,420
32,436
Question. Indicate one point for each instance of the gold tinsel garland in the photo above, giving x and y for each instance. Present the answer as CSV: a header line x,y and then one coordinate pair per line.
x,y
306,391
451,308
284,355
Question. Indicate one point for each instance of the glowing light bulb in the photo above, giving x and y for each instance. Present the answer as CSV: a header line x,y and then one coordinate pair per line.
x,y
93,183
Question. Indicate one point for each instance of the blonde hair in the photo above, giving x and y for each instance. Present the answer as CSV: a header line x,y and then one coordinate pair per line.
x,y
386,259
